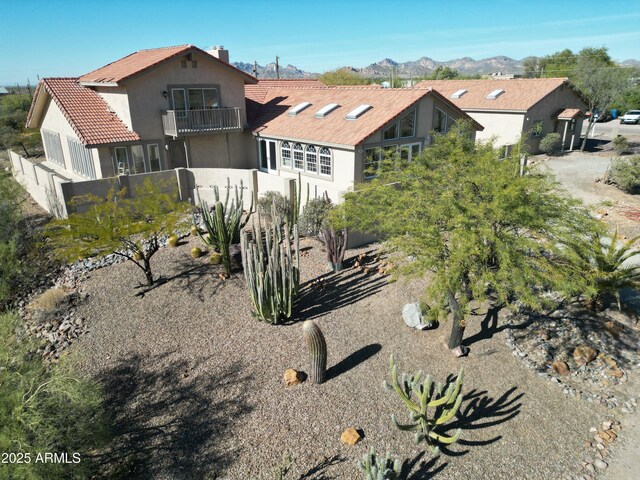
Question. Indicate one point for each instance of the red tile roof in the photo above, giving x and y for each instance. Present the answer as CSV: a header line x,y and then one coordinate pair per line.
x,y
142,60
569,113
258,91
87,113
519,94
387,104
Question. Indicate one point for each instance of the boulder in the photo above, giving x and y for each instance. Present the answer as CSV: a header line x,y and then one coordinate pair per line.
x,y
560,367
412,316
350,436
293,377
584,354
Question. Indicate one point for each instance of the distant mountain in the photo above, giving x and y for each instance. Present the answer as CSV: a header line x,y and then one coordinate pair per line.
x,y
416,68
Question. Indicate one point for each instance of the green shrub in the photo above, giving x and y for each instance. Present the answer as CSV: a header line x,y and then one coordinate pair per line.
x,y
625,173
620,144
314,216
267,199
46,410
550,144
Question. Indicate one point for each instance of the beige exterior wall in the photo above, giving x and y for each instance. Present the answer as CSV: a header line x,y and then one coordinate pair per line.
x,y
118,100
501,128
220,151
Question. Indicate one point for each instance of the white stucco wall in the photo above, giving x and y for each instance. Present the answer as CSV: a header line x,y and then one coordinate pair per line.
x,y
118,100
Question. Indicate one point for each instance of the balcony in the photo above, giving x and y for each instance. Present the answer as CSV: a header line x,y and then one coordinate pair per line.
x,y
179,123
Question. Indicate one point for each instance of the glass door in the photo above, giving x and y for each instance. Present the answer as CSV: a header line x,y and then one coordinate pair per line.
x,y
268,158
410,151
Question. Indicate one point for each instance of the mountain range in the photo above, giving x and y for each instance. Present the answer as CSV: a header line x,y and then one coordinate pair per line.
x,y
416,68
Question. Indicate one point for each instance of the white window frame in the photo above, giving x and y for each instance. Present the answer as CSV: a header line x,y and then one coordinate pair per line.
x,y
81,159
300,151
311,159
53,147
285,147
325,160
409,147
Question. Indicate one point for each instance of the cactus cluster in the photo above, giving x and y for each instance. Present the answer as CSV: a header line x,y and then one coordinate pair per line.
x,y
375,467
272,269
444,402
224,222
317,351
335,244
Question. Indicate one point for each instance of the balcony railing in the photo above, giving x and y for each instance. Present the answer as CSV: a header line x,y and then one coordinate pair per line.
x,y
177,123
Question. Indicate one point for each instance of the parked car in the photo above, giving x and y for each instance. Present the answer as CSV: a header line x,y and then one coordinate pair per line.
x,y
600,116
632,116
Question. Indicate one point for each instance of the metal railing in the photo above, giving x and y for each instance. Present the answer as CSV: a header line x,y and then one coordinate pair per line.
x,y
205,120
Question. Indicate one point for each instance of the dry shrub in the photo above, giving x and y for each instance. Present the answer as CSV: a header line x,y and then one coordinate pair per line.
x,y
49,302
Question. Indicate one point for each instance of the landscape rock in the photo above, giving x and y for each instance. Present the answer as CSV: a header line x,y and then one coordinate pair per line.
x,y
350,436
601,464
561,368
412,316
293,377
583,355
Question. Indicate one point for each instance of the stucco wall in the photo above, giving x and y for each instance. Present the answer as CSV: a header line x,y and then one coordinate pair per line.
x,y
118,100
146,100
502,128
219,151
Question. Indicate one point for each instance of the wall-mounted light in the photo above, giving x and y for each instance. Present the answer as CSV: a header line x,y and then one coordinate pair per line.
x,y
165,94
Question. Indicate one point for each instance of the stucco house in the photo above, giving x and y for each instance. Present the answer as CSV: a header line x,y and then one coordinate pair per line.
x,y
508,108
334,136
189,110
153,110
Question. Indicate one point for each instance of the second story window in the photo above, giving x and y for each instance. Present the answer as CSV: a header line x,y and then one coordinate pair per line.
x,y
194,98
298,157
285,154
312,159
441,122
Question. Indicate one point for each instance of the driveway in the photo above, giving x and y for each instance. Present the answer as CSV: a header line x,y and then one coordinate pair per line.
x,y
577,173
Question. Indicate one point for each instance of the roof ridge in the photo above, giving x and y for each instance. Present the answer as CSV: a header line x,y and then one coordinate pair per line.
x,y
186,45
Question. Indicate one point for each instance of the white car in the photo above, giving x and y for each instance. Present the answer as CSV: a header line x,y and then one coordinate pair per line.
x,y
632,116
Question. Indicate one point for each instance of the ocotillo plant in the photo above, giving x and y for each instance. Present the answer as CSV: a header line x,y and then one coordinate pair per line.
x,y
271,270
375,467
317,351
224,222
428,396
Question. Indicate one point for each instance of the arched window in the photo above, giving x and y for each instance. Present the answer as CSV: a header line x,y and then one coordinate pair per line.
x,y
285,154
325,161
298,157
312,159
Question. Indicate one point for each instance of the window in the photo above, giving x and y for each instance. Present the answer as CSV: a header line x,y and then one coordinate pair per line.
x,y
391,132
312,159
298,157
137,157
81,159
183,63
324,111
285,154
371,162
53,147
155,163
495,94
409,152
407,125
194,98
441,121
121,161
458,93
194,64
325,161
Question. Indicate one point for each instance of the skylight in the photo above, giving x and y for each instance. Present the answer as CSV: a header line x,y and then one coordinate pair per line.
x,y
356,112
298,108
324,111
495,94
459,93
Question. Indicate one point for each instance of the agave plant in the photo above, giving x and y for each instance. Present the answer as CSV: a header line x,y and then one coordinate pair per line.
x,y
609,265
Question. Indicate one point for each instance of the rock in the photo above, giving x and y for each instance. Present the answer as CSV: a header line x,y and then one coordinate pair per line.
x,y
589,468
460,351
561,367
412,316
293,377
607,425
350,436
601,464
584,354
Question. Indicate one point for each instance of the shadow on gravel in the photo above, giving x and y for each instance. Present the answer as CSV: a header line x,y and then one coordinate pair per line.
x,y
168,424
317,471
353,360
332,291
489,327
479,411
419,469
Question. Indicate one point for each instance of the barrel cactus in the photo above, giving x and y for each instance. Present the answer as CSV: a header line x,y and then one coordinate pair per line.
x,y
196,252
317,351
445,404
216,258
173,241
375,467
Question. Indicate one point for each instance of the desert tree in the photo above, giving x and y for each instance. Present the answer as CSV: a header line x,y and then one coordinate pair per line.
x,y
482,230
129,227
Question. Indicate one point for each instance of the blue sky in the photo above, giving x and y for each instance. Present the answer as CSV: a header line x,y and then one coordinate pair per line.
x,y
69,38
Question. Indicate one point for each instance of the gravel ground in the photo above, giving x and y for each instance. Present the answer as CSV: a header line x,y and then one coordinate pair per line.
x,y
195,382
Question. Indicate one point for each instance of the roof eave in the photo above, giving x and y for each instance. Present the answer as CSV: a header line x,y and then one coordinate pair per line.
x,y
99,84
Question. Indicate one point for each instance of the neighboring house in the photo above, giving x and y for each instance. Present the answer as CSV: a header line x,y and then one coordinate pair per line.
x,y
3,91
507,108
337,136
152,110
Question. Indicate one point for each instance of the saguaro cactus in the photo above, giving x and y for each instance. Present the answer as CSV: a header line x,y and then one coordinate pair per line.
x,y
428,395
317,351
375,467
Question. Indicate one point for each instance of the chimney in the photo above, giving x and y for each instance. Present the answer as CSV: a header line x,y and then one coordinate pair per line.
x,y
219,52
